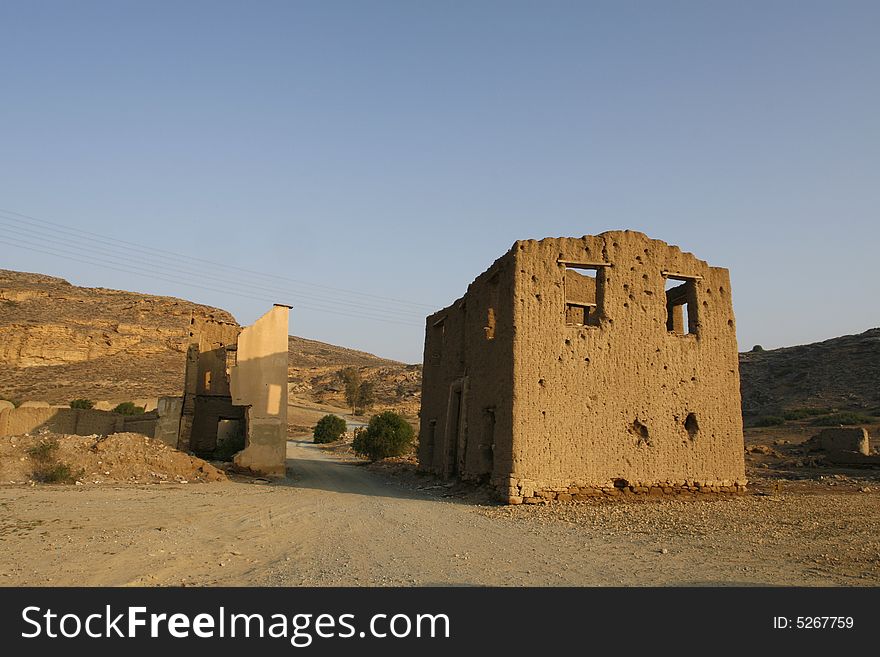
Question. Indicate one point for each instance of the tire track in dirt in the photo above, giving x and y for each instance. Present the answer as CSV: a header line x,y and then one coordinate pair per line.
x,y
332,522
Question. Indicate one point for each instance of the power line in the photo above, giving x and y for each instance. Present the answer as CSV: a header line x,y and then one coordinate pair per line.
x,y
144,252
145,266
66,256
17,216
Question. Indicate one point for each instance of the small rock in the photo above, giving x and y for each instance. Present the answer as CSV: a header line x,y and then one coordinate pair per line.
x,y
664,551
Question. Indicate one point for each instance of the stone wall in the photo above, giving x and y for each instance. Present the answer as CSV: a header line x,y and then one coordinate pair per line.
x,y
168,420
259,381
83,422
612,366
842,439
206,397
467,381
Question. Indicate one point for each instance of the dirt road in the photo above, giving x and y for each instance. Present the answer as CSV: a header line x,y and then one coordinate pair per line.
x,y
338,523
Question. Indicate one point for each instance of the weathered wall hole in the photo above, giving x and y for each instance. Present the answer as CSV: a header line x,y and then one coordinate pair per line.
x,y
641,430
691,425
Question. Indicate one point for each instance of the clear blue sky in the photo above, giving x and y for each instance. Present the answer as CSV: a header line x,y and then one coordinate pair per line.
x,y
398,148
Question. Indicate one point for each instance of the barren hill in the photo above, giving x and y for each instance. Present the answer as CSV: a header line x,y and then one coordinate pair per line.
x,y
313,375
841,373
59,342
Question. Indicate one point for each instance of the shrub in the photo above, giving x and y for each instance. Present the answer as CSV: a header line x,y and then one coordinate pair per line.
x,y
768,421
47,471
44,451
55,473
842,418
801,413
387,434
365,397
329,428
82,403
128,408
352,380
757,348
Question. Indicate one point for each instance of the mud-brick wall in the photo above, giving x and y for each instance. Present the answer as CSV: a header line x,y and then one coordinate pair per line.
x,y
625,402
168,421
467,381
76,421
259,381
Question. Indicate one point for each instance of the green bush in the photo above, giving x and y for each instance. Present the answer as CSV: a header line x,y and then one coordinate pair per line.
x,y
842,418
82,403
768,421
387,434
801,413
366,397
329,428
128,408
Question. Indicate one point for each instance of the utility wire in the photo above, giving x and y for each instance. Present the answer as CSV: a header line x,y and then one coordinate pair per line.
x,y
23,218
129,270
141,254
65,245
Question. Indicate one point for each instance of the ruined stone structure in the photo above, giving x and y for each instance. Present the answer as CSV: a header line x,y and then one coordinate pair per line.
x,y
207,402
845,446
259,383
842,439
586,366
234,398
235,390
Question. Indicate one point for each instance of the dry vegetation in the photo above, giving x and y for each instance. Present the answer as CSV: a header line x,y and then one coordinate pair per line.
x,y
89,460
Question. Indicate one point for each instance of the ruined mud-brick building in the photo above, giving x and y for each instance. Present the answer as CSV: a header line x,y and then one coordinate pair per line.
x,y
586,366
235,390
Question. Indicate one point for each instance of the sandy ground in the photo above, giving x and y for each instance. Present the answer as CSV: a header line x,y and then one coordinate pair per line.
x,y
335,522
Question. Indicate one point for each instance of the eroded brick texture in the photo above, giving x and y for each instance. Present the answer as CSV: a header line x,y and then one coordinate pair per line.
x,y
577,367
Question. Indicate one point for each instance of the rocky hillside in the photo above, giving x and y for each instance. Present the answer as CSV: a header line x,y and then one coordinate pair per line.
x,y
59,342
840,374
314,369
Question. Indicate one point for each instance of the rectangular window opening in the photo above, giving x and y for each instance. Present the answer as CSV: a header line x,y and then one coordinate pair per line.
x,y
580,314
681,305
583,286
